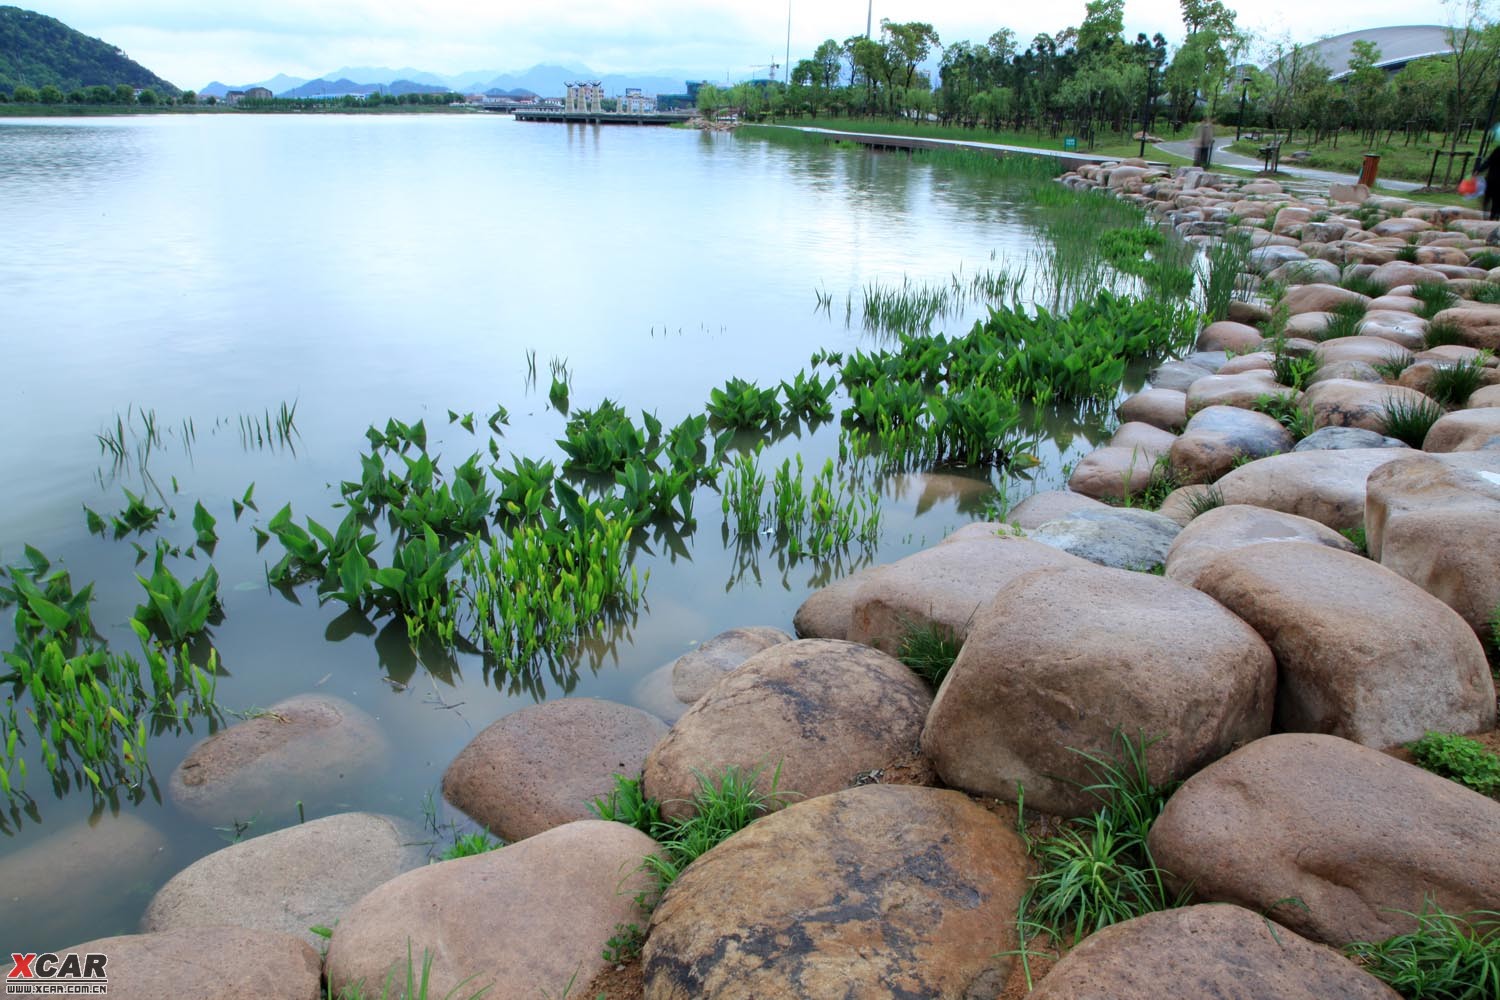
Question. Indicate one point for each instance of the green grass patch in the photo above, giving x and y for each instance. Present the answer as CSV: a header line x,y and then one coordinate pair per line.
x,y
1344,320
468,845
1443,332
1448,957
1453,384
1434,296
929,649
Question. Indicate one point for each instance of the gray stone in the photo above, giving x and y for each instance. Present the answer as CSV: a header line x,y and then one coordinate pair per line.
x,y
1342,438
1122,537
697,670
1177,375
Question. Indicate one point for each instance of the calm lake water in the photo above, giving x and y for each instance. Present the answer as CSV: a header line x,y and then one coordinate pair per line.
x,y
213,267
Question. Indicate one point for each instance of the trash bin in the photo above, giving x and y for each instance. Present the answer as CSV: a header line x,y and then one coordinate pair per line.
x,y
1369,169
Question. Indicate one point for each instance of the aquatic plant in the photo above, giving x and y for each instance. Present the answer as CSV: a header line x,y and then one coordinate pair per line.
x,y
1225,264
179,610
742,405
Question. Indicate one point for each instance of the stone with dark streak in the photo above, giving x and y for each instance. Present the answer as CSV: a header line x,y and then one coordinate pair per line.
x,y
822,710
884,891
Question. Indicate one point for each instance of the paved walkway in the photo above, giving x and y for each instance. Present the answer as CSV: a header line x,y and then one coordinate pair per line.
x,y
1224,158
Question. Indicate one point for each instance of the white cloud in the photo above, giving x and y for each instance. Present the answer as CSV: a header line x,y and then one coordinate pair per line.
x,y
191,42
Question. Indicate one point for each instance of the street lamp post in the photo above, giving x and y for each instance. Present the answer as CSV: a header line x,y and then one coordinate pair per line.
x,y
1244,91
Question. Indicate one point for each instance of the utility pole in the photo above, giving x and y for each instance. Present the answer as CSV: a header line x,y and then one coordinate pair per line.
x,y
869,17
788,63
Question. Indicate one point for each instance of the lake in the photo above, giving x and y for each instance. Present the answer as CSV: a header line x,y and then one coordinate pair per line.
x,y
210,269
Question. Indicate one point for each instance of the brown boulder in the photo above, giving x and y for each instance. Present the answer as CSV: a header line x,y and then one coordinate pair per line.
x,y
943,586
310,747
819,711
1030,687
1464,430
1319,298
1330,838
1111,473
1218,437
532,916
1224,952
541,766
289,880
1396,273
1326,486
1487,396
1478,324
826,612
1164,408
1433,522
697,670
1236,526
1151,440
210,963
1370,350
880,891
1341,402
1227,335
1234,390
1400,328
1362,653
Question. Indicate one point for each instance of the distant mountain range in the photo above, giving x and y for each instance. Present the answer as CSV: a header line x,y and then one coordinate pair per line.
x,y
543,80
39,51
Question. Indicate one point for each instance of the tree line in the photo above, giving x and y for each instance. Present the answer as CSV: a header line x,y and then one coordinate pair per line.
x,y
1090,77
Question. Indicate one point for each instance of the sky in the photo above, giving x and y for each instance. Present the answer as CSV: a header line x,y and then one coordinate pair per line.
x,y
191,42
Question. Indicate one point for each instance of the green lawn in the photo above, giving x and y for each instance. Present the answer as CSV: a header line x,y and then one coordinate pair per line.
x,y
1407,163
1110,144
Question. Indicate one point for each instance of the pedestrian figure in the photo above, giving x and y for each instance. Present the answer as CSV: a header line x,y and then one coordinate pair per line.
x,y
1490,169
1203,144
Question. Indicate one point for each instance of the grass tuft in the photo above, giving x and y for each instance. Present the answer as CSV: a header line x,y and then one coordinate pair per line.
x,y
467,845
929,649
1434,296
1391,368
1363,284
1202,501
1098,870
1453,384
1345,320
1409,420
1442,332
1448,957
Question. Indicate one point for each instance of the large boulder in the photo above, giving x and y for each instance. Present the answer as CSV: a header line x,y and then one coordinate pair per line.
x,y
289,880
1396,273
1164,408
1344,438
1031,689
1397,326
1320,298
943,586
1219,437
1223,529
1433,521
1227,335
1122,537
1178,375
529,917
540,767
1224,952
210,963
815,713
826,612
1152,441
880,891
312,748
697,670
1370,350
1242,390
1339,402
1327,486
1049,505
1478,324
1113,473
1465,430
76,872
1362,652
1337,841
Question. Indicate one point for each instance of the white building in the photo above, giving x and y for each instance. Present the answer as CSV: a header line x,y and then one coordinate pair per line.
x,y
636,103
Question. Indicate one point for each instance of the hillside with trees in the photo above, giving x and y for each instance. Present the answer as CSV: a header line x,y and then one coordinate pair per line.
x,y
38,52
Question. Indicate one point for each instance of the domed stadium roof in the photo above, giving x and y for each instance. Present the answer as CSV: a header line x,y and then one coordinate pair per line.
x,y
1398,45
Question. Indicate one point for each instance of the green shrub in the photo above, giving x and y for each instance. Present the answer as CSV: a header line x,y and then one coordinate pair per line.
x,y
1460,759
1448,957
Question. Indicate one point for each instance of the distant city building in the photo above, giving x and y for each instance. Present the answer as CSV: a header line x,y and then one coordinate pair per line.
x,y
586,97
258,94
1397,45
636,103
685,101
234,97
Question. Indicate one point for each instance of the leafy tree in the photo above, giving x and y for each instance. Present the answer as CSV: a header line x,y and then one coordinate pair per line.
x,y
908,45
124,93
710,100
25,95
50,95
1207,15
1103,22
1475,39
1366,87
147,97
826,59
77,97
101,94
189,97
